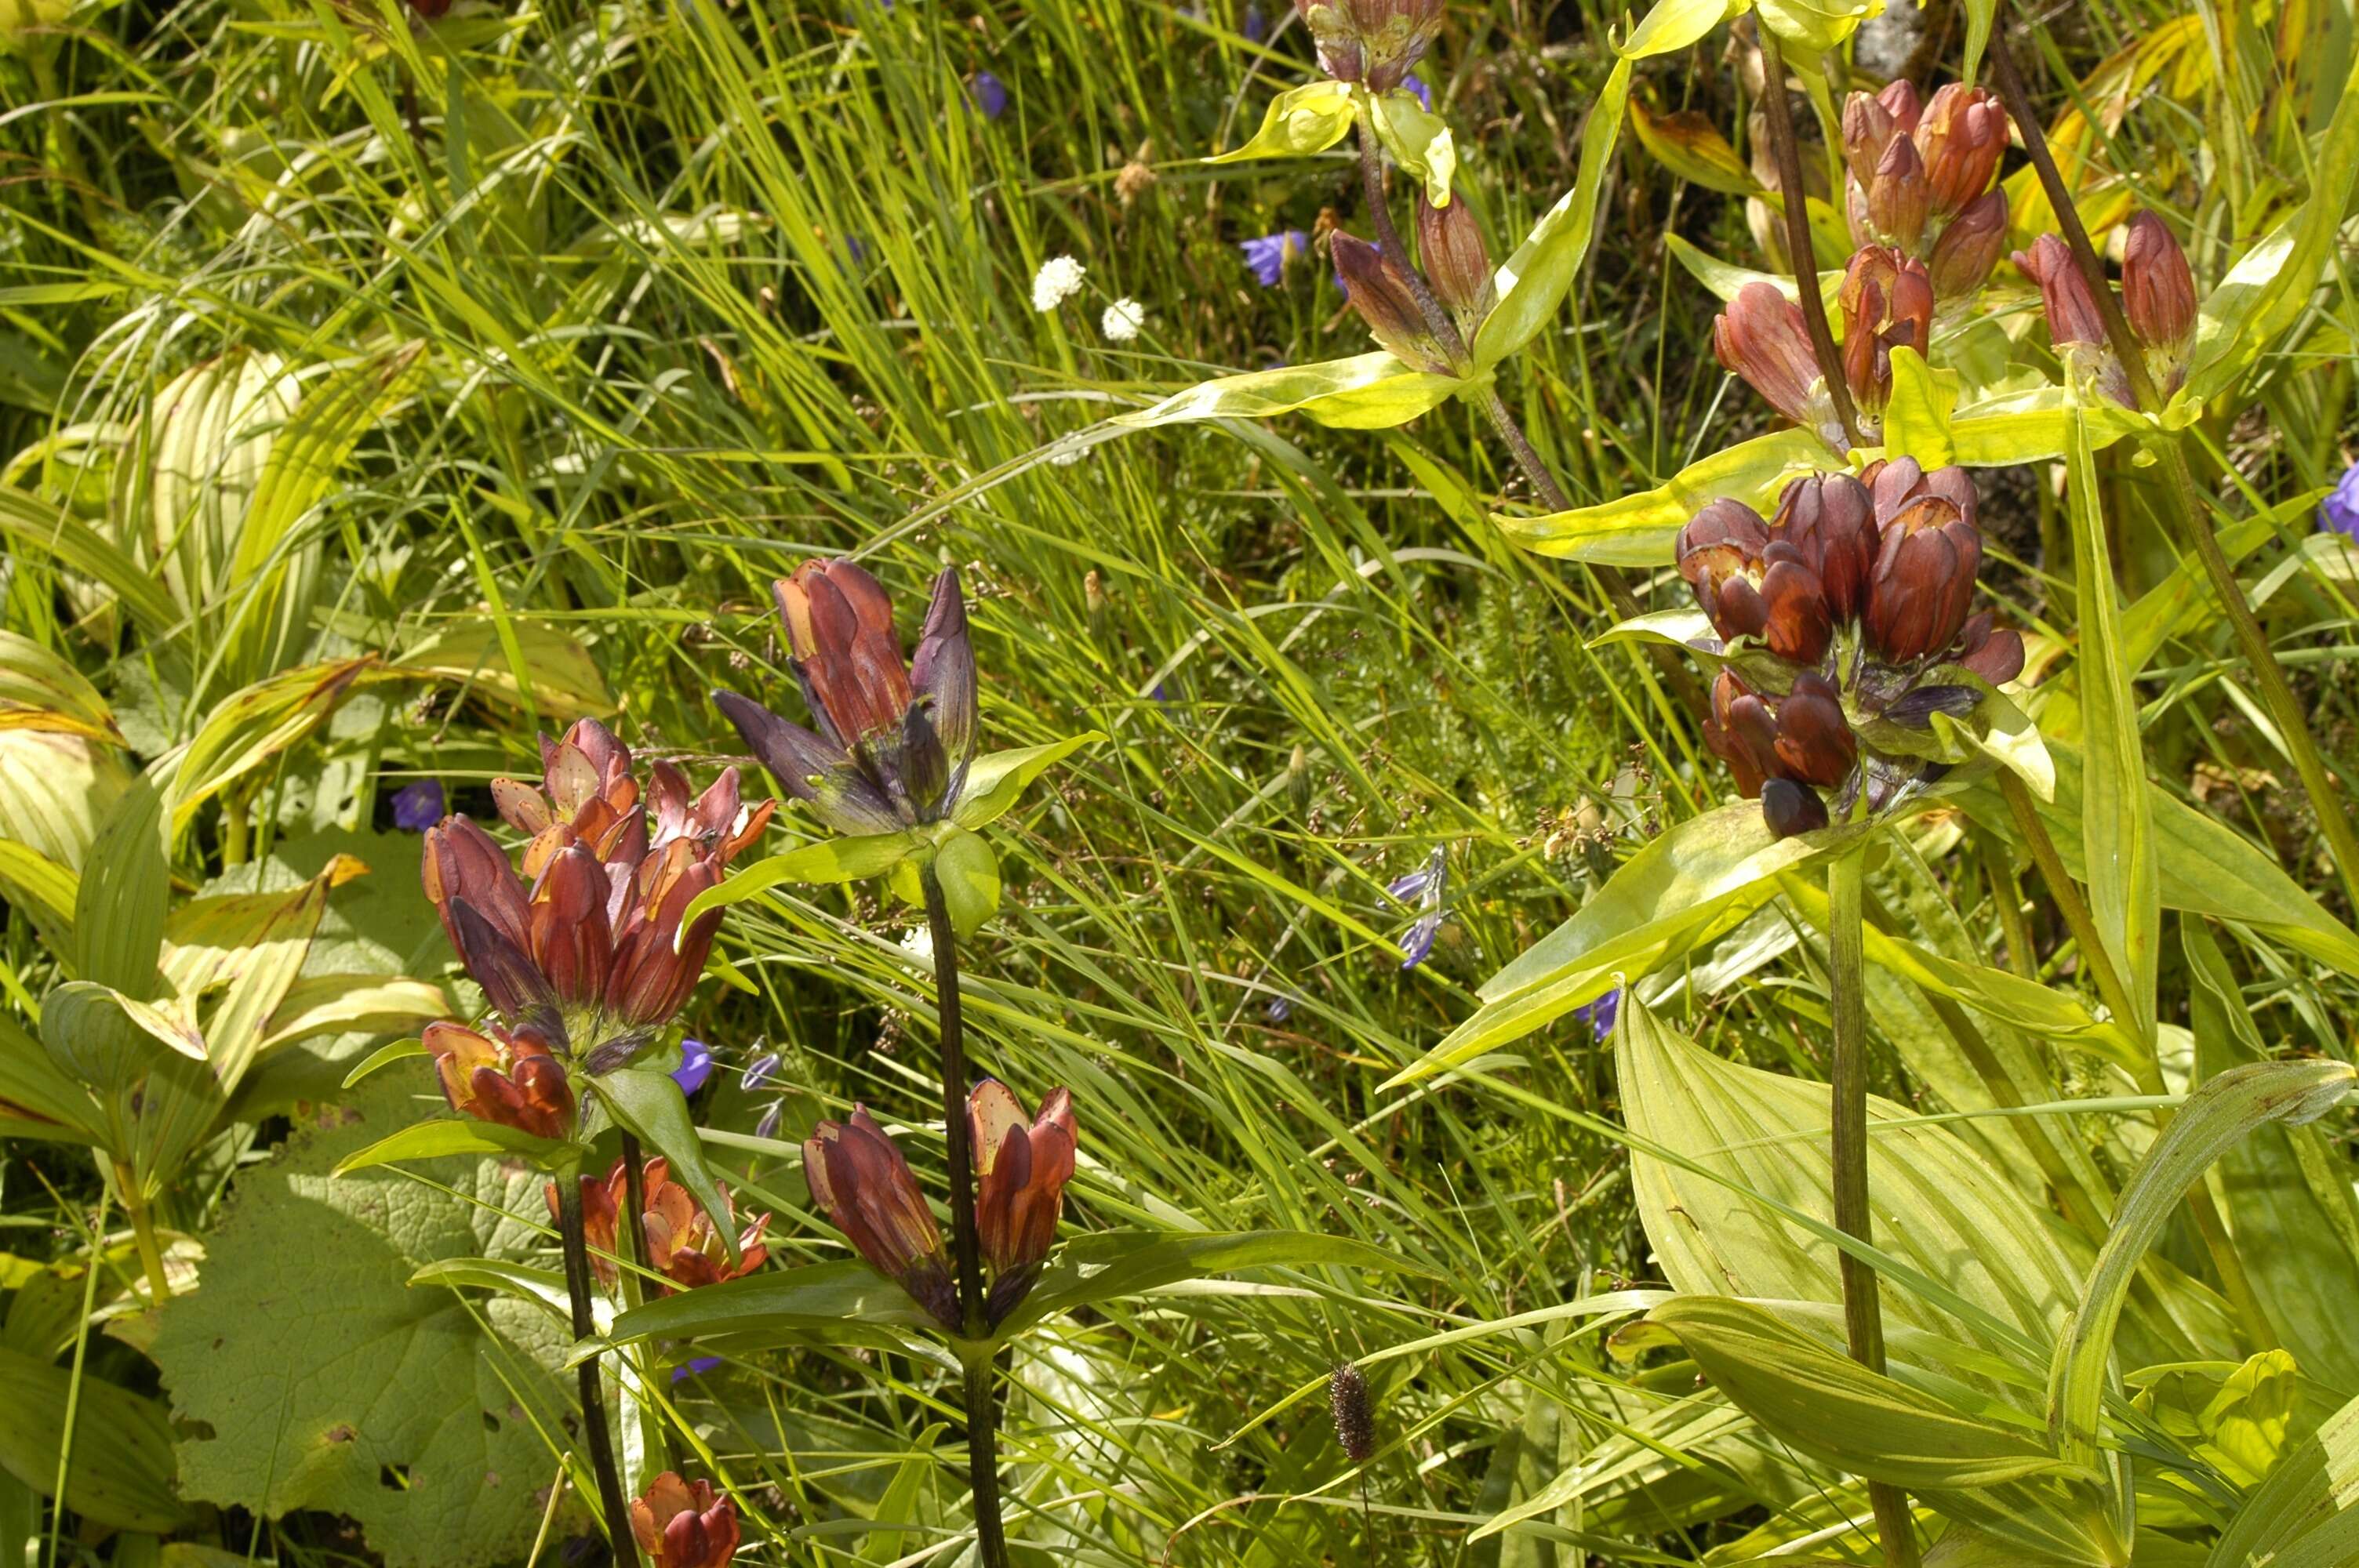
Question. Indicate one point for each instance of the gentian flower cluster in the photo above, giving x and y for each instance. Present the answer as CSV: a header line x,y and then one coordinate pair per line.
x,y
1374,42
2158,299
859,1178
684,1524
682,1242
1454,265
1859,593
1919,179
893,740
584,955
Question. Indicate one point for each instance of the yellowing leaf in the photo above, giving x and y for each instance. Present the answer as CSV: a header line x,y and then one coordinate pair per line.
x,y
1638,530
1533,281
1816,25
1916,419
1299,121
1418,139
1368,392
1689,144
1673,25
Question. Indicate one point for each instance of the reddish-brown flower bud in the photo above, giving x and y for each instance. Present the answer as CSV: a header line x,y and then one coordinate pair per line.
x,y
1742,732
1969,246
1886,302
1020,1175
2071,310
1899,197
1719,555
1789,809
1891,485
1386,303
2158,296
1831,518
511,1078
1898,98
840,627
1993,652
859,1179
682,1524
1962,136
1868,128
462,864
1761,336
1376,41
1924,581
1798,626
1815,745
1449,245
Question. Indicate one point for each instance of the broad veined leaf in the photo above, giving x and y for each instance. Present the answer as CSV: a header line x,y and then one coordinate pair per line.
x,y
2288,1203
1366,392
2217,1116
45,528
1299,121
2116,820
996,781
249,728
2305,1514
348,1004
37,1099
1533,281
120,905
122,1470
1761,1138
39,690
1995,1479
352,1371
652,1105
1639,530
44,890
1688,144
1418,139
1698,880
2205,867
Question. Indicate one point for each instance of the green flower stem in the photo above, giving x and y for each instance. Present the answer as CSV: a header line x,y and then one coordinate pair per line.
x,y
611,1500
2093,958
1800,251
1862,1313
2186,511
982,1437
655,1451
143,1233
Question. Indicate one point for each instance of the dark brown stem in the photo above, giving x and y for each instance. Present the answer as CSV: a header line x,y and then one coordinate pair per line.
x,y
1793,195
1380,217
611,1502
2186,509
982,1437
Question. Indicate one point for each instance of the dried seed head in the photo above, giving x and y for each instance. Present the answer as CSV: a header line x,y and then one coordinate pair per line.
x,y
1355,1417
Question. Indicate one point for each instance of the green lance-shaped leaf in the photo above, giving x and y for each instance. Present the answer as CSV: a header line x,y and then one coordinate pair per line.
x,y
249,728
1299,121
2216,1118
449,1135
1673,25
996,781
1997,1478
382,1058
1726,278
122,1458
1366,392
2305,1513
1534,281
1639,530
853,859
1418,139
652,1105
1113,1264
822,1301
44,528
2116,823
2205,867
124,896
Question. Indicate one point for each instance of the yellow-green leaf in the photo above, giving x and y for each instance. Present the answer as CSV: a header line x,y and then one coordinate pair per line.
x,y
1299,121
1418,139
1639,530
1366,392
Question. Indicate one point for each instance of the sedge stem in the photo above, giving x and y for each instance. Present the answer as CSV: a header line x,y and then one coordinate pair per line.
x,y
2186,512
1862,1311
611,1500
982,1437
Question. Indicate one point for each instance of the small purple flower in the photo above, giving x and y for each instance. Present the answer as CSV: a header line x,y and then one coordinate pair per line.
x,y
695,1065
759,1071
1418,941
1266,257
1600,1014
418,806
1279,1009
988,94
695,1369
1416,85
2339,513
1428,883
769,1126
1256,26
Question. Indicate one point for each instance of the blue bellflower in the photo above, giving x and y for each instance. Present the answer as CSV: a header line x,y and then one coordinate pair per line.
x,y
418,806
1267,257
1600,1015
1428,887
1416,85
695,1065
988,94
2339,513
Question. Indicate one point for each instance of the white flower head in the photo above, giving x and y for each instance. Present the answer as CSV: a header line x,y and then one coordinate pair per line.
x,y
1122,321
1058,279
919,943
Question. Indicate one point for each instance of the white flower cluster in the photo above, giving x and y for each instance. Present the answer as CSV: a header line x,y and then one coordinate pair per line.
x,y
1122,321
1058,279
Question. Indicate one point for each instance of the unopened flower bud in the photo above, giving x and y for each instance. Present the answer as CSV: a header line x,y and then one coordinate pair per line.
x,y
1898,98
1815,743
1887,302
1969,246
2158,296
1831,518
1761,336
1719,555
682,1524
860,1180
2075,326
1791,809
1740,732
1962,136
1993,652
1354,1413
1021,1166
511,1078
1868,129
1449,245
1386,303
1899,197
1797,628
